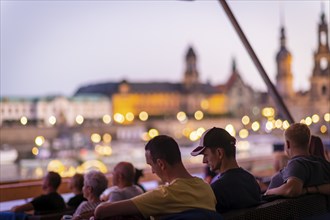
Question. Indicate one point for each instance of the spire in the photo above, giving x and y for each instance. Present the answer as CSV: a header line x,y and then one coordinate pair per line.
x,y
283,38
234,65
190,53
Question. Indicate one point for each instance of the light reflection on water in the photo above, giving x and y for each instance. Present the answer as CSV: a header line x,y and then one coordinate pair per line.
x,y
27,169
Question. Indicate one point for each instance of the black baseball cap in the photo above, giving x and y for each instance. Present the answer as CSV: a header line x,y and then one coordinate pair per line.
x,y
214,137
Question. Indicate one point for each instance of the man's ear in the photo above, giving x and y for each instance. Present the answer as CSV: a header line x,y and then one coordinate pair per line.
x,y
220,152
287,144
161,164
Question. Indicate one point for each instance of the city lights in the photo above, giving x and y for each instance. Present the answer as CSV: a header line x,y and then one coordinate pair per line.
x,y
231,130
255,126
245,120
243,133
96,138
143,116
315,118
129,116
52,120
182,117
107,138
119,118
323,129
39,140
79,119
35,151
153,133
24,120
106,119
199,115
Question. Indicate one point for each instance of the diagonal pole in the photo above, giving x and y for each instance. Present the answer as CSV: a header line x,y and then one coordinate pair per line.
x,y
271,88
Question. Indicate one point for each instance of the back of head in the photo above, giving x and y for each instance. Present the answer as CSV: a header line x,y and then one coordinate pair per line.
x,y
97,180
216,138
127,171
54,180
78,181
298,135
164,147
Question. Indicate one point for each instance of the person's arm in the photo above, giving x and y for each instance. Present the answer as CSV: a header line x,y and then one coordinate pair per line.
x,y
291,188
323,189
107,209
23,208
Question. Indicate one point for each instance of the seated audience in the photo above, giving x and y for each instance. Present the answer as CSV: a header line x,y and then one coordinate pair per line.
x,y
303,169
76,185
95,183
235,187
123,184
183,191
50,201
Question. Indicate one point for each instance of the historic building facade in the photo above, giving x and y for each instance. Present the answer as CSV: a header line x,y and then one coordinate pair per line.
x,y
317,99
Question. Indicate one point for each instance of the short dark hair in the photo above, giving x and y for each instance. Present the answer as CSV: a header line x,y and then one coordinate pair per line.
x,y
54,179
164,147
78,181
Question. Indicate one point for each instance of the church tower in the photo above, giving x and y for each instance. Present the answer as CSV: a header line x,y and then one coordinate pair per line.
x,y
284,77
191,75
320,79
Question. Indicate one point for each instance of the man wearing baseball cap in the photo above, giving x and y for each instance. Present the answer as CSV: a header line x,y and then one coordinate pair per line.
x,y
235,188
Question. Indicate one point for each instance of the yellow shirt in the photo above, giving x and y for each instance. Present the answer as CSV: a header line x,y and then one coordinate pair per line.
x,y
180,195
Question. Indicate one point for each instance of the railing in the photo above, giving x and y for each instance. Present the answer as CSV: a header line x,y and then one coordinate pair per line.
x,y
31,188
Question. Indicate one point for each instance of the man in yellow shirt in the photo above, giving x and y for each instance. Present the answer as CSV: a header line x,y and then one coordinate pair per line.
x,y
181,193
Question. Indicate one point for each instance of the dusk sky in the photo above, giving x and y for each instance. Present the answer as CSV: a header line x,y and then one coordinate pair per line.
x,y
54,47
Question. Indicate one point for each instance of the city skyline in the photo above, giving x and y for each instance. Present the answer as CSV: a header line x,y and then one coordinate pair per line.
x,y
54,47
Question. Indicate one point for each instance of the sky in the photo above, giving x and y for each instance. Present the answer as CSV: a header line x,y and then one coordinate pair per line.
x,y
54,47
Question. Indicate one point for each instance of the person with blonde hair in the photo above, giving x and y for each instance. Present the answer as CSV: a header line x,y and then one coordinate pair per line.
x,y
304,172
